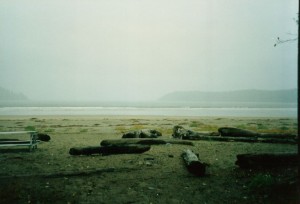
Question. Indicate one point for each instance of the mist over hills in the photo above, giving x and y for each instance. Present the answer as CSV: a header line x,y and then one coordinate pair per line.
x,y
8,95
251,95
240,98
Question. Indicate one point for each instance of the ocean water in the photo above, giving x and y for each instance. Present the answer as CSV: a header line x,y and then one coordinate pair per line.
x,y
152,111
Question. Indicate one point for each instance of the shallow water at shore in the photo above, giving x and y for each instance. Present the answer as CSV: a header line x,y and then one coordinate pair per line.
x,y
180,111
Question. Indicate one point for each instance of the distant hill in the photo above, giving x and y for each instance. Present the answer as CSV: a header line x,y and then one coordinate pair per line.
x,y
285,96
7,95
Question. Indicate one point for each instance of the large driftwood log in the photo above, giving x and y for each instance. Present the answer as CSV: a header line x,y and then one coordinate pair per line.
x,y
43,137
145,133
278,135
85,150
86,172
110,149
232,134
193,164
236,132
222,139
277,140
179,132
266,160
144,142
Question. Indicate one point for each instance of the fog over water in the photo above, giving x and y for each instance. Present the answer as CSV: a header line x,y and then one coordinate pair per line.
x,y
132,50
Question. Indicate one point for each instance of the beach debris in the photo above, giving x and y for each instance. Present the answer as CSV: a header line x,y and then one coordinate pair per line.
x,y
180,132
66,174
43,137
110,149
266,160
193,164
229,134
144,141
145,133
236,132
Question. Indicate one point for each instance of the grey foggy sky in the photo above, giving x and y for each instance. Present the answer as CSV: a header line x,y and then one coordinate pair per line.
x,y
143,49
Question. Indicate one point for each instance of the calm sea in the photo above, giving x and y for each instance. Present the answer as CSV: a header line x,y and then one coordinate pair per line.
x,y
154,109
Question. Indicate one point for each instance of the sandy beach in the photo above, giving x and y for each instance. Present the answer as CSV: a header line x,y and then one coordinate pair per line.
x,y
156,176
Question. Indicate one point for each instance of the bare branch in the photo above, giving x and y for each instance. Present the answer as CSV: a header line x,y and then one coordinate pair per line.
x,y
279,41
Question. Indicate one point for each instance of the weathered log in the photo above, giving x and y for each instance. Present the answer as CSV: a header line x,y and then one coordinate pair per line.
x,y
193,164
110,149
86,172
222,139
277,140
266,160
236,132
143,142
229,134
179,132
146,133
278,135
43,137
5,140
242,139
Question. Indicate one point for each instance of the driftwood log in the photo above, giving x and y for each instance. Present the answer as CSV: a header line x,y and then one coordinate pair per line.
x,y
193,164
278,136
43,137
180,133
110,149
222,139
145,133
266,160
234,135
86,172
236,132
144,142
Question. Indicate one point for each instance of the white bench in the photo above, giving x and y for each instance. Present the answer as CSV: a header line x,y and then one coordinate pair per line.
x,y
31,143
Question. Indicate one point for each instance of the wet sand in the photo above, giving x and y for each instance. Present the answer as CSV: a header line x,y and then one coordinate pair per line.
x,y
156,176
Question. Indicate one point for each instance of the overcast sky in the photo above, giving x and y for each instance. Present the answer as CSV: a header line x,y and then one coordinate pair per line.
x,y
143,49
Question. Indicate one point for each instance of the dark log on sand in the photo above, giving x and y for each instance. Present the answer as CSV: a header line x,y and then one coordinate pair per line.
x,y
85,150
146,133
80,173
278,135
230,135
144,142
43,137
180,133
266,160
110,149
277,140
242,139
222,139
5,140
193,164
236,132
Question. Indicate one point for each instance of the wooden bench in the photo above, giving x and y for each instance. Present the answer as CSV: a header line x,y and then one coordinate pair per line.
x,y
31,143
